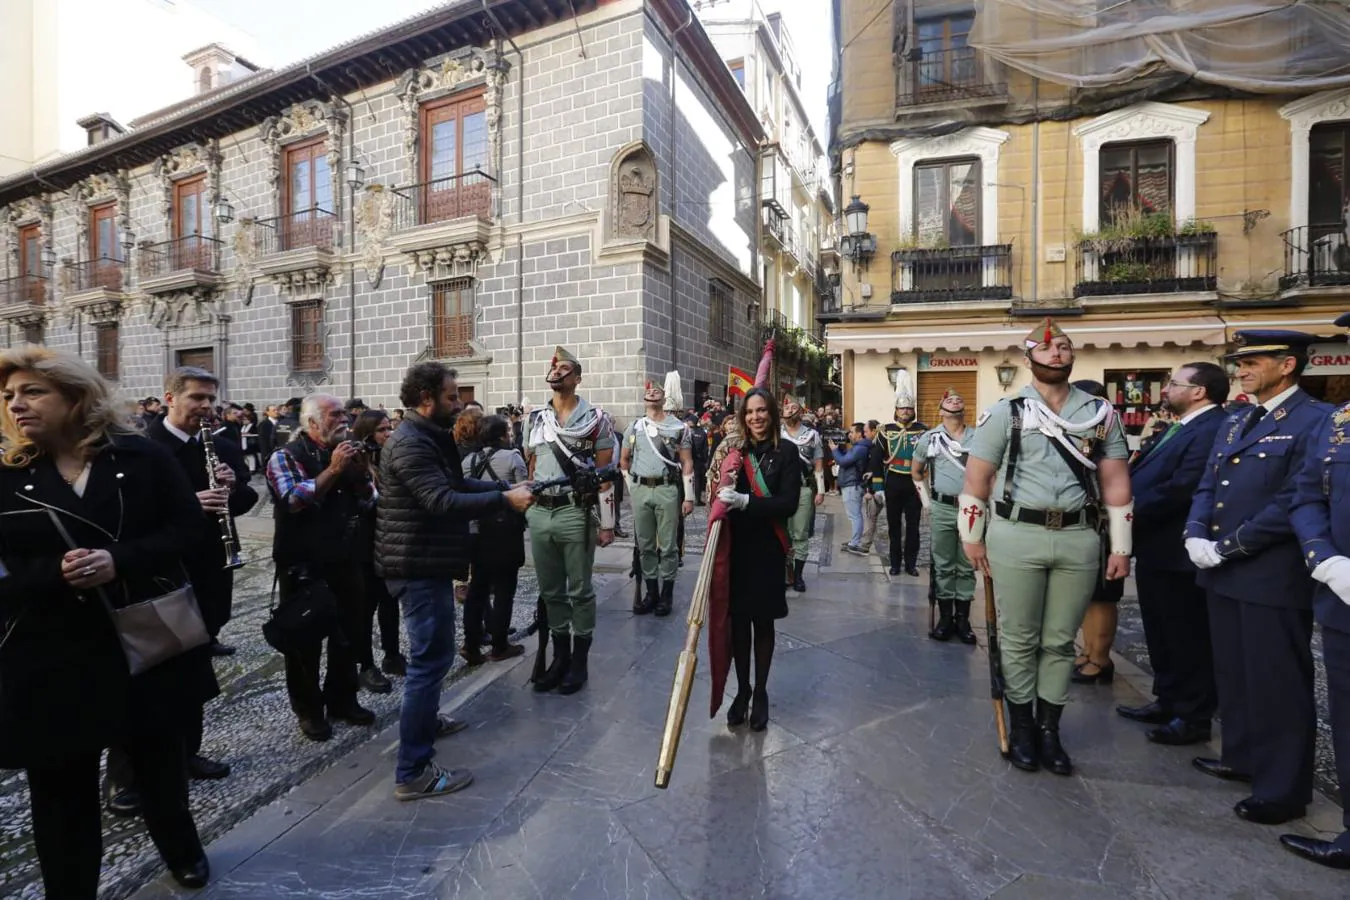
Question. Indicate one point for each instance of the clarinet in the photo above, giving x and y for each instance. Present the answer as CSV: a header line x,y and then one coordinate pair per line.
x,y
228,536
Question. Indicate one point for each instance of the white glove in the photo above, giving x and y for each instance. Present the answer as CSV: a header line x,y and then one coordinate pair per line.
x,y
1335,574
733,498
1205,554
924,500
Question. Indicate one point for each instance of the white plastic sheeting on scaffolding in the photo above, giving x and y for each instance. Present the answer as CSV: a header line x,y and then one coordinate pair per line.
x,y
1262,46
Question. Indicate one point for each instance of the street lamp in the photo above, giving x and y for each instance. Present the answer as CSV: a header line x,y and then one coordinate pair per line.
x,y
1006,372
858,244
224,210
48,258
893,372
356,176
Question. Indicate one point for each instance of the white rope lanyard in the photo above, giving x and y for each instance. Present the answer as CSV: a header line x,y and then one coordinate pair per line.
x,y
1036,414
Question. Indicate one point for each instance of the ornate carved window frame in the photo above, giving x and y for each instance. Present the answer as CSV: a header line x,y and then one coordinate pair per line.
x,y
984,144
304,120
188,161
1142,122
35,210
442,77
1302,115
94,191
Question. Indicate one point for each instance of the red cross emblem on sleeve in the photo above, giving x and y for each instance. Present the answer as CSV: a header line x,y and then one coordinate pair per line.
x,y
1129,517
974,512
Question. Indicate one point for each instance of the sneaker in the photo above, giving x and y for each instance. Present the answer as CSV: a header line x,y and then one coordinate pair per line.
x,y
446,726
371,680
434,782
510,651
395,664
856,551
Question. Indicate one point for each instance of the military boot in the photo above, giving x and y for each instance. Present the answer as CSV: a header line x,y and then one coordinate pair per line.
x,y
963,622
1052,752
562,663
666,602
1022,744
944,629
798,583
648,601
575,679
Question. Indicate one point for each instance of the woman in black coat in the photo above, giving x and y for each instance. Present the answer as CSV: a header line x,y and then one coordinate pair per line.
x,y
65,689
498,548
758,523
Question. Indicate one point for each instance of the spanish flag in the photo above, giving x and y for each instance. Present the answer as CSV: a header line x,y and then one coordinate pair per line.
x,y
738,381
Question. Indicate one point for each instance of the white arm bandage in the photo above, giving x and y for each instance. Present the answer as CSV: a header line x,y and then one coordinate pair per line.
x,y
689,493
924,496
607,510
1120,528
972,517
820,481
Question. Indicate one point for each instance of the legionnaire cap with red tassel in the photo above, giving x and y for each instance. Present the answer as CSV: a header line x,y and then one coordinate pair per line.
x,y
560,354
952,402
653,392
1044,333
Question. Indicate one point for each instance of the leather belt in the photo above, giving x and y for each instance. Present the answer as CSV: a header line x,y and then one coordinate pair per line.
x,y
1053,519
557,501
658,481
946,499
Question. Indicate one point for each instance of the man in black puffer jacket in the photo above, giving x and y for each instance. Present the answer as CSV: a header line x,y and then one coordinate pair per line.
x,y
422,544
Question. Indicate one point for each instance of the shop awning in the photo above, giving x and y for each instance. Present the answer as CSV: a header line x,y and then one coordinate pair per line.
x,y
883,338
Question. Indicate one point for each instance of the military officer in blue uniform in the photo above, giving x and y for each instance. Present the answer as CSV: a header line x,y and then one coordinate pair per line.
x,y
1320,514
1259,594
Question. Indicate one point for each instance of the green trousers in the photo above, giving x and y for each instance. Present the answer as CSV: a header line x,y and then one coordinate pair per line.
x,y
562,542
799,526
1043,581
656,520
951,570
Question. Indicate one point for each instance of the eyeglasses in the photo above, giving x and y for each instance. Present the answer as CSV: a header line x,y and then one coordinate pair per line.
x,y
1175,383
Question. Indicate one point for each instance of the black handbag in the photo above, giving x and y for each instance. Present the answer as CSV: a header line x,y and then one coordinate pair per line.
x,y
306,615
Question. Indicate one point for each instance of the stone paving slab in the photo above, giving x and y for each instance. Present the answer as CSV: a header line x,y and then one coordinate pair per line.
x,y
878,777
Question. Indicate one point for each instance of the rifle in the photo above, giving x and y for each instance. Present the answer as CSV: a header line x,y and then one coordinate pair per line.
x,y
995,664
583,481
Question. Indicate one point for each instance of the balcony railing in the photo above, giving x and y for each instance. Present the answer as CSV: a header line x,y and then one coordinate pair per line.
x,y
194,253
295,231
450,336
30,289
1161,265
1316,256
950,274
444,200
775,319
957,73
95,274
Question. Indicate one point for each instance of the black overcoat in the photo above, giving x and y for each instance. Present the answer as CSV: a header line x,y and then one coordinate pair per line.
x,y
758,559
64,685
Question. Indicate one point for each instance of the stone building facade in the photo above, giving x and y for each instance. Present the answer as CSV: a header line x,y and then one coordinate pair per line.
x,y
526,179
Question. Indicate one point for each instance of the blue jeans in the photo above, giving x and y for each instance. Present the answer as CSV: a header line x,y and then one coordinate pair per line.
x,y
853,500
428,606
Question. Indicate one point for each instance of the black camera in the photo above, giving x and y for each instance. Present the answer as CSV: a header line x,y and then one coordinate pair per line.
x,y
834,435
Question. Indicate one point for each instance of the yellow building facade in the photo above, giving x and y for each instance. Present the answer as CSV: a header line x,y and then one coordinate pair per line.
x,y
1151,229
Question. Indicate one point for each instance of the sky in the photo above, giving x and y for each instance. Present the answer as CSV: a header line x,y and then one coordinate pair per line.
x,y
289,30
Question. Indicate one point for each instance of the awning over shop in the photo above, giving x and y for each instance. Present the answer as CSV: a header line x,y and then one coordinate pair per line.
x,y
1190,331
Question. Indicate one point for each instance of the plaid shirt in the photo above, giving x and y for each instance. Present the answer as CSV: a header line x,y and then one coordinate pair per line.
x,y
290,483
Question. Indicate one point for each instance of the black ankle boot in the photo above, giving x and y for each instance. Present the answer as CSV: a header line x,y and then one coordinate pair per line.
x,y
666,602
759,710
963,631
562,662
798,583
1052,751
944,629
648,601
575,679
1022,734
736,712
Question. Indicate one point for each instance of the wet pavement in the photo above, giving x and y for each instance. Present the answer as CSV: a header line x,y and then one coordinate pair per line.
x,y
877,777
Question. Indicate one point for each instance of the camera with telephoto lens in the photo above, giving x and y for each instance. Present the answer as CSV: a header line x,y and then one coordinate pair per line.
x,y
834,435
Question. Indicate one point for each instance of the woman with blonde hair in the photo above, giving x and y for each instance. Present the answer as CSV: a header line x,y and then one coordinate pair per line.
x,y
92,515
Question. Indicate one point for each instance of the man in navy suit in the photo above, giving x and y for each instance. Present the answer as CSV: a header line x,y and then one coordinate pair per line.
x,y
1321,517
1259,594
1171,603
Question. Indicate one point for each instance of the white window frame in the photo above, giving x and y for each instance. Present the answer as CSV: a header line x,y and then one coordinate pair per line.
x,y
982,143
1142,122
1302,115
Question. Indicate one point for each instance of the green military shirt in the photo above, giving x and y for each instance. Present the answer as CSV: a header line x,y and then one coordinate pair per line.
x,y
599,436
945,476
669,436
898,444
1043,479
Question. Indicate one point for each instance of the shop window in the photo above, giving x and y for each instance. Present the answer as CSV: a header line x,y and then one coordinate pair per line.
x,y
1137,397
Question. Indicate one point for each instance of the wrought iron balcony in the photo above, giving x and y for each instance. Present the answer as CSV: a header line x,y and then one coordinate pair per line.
x,y
296,231
1147,265
95,274
194,253
944,76
444,200
24,290
951,274
1316,256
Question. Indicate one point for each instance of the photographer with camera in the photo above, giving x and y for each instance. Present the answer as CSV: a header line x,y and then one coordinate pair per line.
x,y
321,485
422,544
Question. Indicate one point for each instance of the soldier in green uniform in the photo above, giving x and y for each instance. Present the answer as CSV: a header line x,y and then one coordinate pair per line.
x,y
939,473
903,507
657,456
807,441
1055,460
567,435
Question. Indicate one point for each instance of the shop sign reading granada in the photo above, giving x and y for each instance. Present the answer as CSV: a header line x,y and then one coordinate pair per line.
x,y
1328,359
933,362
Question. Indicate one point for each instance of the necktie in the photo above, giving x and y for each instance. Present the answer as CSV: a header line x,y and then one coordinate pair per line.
x,y
1167,436
1256,416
